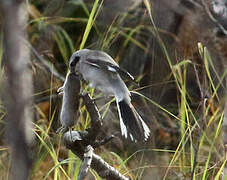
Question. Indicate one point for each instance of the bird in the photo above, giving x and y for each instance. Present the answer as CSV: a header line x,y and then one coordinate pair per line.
x,y
102,73
70,102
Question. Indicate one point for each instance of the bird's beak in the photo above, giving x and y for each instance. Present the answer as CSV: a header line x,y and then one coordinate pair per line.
x,y
72,69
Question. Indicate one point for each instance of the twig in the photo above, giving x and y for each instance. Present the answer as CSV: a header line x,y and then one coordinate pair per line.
x,y
196,4
86,162
41,59
46,98
203,118
212,18
96,121
104,141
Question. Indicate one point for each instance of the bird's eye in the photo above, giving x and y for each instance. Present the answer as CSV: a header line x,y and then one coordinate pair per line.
x,y
74,61
76,58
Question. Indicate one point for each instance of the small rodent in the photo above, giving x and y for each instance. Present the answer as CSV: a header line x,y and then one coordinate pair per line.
x,y
70,102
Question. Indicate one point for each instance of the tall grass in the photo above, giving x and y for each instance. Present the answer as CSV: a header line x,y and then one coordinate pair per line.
x,y
185,112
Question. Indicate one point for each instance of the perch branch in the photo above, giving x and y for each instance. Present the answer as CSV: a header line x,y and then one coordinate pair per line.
x,y
86,162
96,121
98,164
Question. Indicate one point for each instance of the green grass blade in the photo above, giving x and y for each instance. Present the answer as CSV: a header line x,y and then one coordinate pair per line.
x,y
89,24
212,146
217,177
50,150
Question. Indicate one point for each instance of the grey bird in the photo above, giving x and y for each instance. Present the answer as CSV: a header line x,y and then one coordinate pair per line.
x,y
104,74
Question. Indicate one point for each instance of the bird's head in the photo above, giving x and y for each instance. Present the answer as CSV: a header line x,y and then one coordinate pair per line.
x,y
76,57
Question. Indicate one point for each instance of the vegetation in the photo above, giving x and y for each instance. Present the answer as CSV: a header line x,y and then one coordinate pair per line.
x,y
181,95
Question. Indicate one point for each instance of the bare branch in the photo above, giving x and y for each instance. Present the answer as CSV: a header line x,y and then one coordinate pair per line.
x,y
86,163
212,18
98,164
43,61
96,121
104,141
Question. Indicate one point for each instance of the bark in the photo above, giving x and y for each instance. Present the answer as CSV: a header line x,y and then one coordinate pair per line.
x,y
86,162
17,88
78,145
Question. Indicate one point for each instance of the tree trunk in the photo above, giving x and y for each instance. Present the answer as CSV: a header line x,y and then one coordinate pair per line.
x,y
17,87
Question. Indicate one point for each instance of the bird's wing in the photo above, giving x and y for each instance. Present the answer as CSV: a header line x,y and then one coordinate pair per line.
x,y
109,67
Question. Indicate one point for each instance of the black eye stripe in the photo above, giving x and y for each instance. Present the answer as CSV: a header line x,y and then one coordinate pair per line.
x,y
74,61
76,58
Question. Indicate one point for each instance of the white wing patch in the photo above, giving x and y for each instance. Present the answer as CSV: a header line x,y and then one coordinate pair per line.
x,y
122,125
130,76
111,69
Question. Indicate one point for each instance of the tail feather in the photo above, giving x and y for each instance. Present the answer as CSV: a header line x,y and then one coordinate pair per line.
x,y
131,123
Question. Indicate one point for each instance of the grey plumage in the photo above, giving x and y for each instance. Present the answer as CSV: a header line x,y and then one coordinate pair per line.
x,y
103,73
70,102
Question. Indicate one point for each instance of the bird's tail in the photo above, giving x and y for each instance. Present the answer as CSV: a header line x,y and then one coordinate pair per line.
x,y
132,125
